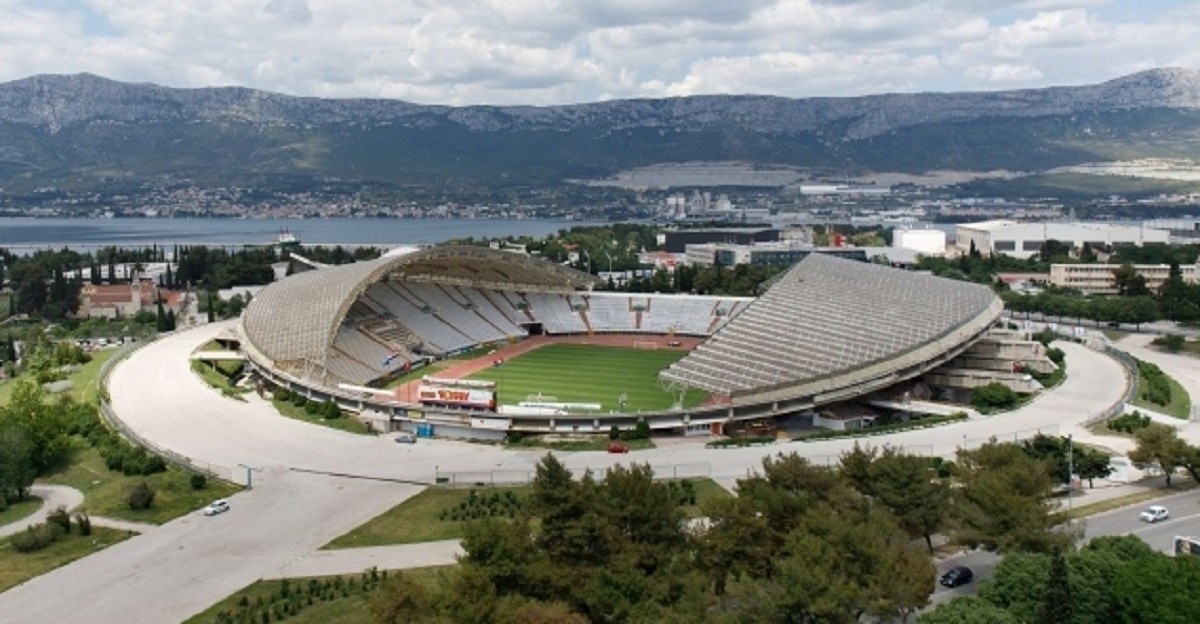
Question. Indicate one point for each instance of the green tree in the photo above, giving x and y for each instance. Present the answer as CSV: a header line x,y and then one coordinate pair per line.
x,y
838,566
1057,606
1159,447
1018,585
968,610
401,599
44,426
1001,503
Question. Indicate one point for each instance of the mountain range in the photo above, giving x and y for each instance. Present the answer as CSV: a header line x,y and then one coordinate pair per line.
x,y
85,131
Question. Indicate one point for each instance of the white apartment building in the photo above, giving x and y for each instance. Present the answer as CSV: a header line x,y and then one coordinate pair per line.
x,y
1024,240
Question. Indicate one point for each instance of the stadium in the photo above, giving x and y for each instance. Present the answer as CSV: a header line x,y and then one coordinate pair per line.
x,y
477,342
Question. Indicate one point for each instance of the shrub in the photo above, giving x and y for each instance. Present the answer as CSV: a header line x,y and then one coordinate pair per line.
x,y
1056,355
993,396
641,431
1170,342
282,394
35,537
141,496
84,522
198,481
1155,386
61,518
311,408
298,400
330,410
1128,423
614,433
1045,337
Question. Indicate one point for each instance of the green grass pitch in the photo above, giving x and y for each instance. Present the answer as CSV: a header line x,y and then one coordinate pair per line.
x,y
574,373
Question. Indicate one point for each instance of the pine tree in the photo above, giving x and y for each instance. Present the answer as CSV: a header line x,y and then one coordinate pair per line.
x,y
1056,598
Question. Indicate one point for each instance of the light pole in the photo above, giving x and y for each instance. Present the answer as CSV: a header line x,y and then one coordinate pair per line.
x,y
1070,474
250,470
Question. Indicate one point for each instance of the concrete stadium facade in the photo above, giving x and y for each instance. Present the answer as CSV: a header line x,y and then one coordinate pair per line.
x,y
829,330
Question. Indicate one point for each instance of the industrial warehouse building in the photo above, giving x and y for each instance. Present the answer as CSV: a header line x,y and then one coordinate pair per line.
x,y
1024,240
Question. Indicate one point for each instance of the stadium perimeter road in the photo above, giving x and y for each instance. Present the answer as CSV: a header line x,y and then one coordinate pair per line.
x,y
184,566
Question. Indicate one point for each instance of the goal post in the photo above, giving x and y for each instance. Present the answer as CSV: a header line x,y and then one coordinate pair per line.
x,y
651,345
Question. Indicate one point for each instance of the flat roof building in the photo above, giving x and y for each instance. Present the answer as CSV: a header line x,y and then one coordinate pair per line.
x,y
773,254
1024,240
1097,279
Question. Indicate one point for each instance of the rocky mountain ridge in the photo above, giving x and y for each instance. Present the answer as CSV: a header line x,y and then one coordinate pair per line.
x,y
84,132
56,101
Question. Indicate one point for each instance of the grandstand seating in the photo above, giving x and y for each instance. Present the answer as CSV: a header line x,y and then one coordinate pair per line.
x,y
460,315
555,313
438,336
826,316
359,358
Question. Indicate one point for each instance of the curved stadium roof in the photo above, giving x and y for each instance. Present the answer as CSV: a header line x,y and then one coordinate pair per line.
x,y
829,325
295,320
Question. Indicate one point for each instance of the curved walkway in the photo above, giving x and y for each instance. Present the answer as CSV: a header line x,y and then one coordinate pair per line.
x,y
52,496
278,527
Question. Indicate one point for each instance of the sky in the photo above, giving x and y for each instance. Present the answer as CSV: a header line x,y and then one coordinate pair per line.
x,y
566,51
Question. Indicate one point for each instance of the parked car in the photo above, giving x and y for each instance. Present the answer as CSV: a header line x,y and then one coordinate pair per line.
x,y
958,575
1154,513
617,447
216,507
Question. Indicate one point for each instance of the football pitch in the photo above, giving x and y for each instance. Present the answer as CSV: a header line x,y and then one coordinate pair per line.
x,y
575,373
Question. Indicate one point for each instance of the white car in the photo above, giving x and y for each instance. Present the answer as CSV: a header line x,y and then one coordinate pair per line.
x,y
216,507
1154,513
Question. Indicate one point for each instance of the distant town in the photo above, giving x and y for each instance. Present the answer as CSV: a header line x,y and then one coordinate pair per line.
x,y
817,203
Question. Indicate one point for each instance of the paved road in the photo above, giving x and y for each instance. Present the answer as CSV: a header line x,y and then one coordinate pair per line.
x,y
186,565
1185,520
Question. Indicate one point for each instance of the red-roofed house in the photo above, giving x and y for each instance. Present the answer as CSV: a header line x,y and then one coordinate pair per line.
x,y
124,300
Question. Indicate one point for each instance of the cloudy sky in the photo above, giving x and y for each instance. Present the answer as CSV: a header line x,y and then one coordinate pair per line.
x,y
560,51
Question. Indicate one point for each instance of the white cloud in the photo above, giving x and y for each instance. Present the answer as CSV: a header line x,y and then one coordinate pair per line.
x,y
552,51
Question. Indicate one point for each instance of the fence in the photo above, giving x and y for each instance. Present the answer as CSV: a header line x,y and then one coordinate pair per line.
x,y
515,477
1131,390
110,417
1011,436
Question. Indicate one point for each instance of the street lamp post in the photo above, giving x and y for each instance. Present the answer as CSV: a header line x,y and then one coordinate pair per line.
x,y
1070,474
250,470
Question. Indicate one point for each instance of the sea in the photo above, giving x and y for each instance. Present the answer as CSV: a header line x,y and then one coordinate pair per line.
x,y
23,235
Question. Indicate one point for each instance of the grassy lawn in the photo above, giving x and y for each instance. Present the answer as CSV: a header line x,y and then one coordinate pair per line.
x,y
104,490
84,380
20,509
420,518
1114,334
1179,407
350,609
595,443
16,568
218,380
575,373
345,423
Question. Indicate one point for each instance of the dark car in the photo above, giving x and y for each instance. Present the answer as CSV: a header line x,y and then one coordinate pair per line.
x,y
958,575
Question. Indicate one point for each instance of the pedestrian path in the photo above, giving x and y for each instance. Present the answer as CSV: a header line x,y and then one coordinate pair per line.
x,y
55,496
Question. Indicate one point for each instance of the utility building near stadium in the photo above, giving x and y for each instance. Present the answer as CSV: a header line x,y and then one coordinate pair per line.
x,y
828,330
